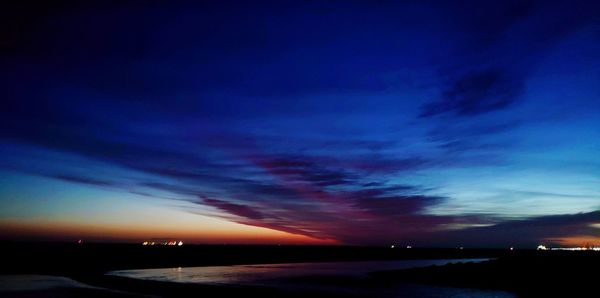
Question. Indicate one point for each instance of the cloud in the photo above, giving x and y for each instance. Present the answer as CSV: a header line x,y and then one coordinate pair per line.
x,y
393,206
83,180
477,93
304,170
526,232
352,214
235,209
504,43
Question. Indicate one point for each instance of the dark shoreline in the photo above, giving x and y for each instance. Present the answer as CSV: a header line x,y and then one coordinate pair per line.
x,y
513,271
533,274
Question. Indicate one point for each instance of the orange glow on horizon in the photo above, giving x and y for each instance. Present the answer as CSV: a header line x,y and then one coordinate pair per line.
x,y
65,231
576,241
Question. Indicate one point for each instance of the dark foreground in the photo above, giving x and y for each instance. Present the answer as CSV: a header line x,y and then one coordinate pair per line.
x,y
527,273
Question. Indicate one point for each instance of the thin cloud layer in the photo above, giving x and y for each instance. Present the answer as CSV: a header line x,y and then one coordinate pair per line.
x,y
476,93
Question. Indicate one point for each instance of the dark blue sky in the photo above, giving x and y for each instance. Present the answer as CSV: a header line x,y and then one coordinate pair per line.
x,y
436,123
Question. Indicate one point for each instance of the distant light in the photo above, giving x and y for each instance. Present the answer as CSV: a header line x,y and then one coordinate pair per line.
x,y
512,248
408,246
164,243
461,247
392,246
79,241
592,248
542,247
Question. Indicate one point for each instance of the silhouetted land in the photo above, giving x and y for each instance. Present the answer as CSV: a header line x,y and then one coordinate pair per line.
x,y
528,273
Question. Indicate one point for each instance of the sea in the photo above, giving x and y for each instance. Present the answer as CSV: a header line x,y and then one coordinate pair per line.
x,y
340,278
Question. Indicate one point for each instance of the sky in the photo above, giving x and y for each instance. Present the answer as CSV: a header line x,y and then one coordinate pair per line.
x,y
423,123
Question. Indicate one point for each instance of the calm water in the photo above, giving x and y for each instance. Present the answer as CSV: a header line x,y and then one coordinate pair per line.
x,y
338,277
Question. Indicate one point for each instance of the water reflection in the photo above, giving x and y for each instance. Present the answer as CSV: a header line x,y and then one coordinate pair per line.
x,y
267,273
338,278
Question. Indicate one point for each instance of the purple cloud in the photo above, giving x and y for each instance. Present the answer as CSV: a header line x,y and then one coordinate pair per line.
x,y
235,209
